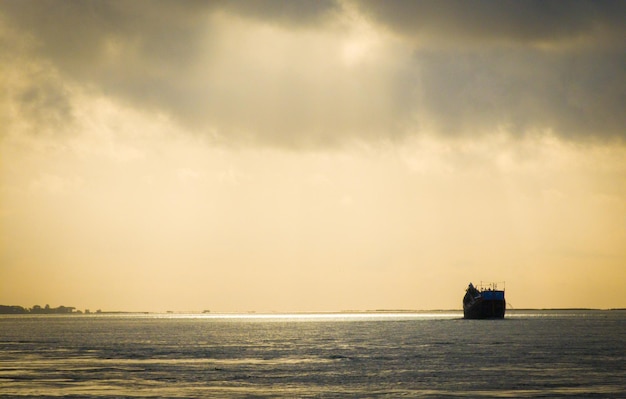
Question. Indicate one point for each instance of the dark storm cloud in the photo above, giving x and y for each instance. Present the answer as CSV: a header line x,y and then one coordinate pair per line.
x,y
484,21
521,65
466,67
574,95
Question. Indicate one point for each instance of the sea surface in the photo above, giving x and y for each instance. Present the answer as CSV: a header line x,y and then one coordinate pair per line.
x,y
438,354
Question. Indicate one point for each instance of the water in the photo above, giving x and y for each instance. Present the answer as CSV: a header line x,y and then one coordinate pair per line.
x,y
528,354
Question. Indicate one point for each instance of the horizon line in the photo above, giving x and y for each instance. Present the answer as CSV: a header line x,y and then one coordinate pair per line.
x,y
253,313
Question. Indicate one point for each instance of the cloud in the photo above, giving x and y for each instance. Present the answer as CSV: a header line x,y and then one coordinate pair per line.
x,y
572,95
518,66
130,51
480,22
313,73
286,12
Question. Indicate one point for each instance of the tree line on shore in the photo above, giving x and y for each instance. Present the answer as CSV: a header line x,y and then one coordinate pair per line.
x,y
6,309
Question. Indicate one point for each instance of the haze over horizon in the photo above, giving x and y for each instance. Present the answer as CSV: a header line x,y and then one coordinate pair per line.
x,y
313,155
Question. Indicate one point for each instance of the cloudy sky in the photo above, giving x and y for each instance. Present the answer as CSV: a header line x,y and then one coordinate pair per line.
x,y
311,155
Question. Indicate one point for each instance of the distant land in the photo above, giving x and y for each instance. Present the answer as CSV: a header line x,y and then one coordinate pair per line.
x,y
12,309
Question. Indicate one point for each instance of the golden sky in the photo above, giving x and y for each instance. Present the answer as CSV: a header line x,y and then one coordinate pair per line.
x,y
311,155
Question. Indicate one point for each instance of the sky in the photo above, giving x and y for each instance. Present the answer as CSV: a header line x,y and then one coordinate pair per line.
x,y
292,156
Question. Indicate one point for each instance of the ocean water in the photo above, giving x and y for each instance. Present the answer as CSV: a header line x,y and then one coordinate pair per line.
x,y
528,354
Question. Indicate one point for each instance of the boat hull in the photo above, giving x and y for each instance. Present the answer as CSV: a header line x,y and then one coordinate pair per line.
x,y
485,309
483,304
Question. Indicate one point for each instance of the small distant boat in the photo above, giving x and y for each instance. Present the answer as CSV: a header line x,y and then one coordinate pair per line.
x,y
484,302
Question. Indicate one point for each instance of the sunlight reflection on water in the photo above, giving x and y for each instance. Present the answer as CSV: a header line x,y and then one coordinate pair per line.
x,y
312,316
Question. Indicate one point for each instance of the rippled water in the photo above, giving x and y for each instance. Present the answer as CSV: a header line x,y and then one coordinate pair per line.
x,y
528,354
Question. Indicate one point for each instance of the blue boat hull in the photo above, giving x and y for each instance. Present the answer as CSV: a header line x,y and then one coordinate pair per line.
x,y
485,309
486,304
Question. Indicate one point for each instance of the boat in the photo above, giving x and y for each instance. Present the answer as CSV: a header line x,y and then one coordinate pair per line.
x,y
484,302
